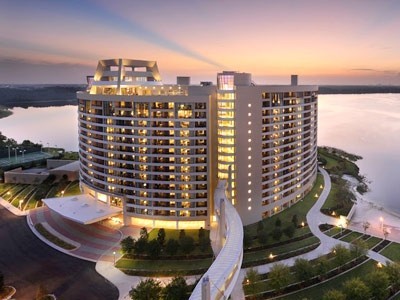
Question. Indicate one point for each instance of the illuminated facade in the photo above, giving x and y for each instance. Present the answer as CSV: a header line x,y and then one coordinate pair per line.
x,y
158,150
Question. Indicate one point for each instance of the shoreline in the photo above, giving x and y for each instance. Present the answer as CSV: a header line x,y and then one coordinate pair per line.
x,y
376,215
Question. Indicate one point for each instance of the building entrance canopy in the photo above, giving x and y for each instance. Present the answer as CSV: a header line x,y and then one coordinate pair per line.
x,y
83,209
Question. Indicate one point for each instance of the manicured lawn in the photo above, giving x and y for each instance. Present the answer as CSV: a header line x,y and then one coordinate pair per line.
x,y
22,195
73,189
15,189
174,234
333,231
351,237
177,266
373,241
392,252
262,254
316,292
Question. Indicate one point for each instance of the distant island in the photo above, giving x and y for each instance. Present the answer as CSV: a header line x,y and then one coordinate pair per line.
x,y
60,95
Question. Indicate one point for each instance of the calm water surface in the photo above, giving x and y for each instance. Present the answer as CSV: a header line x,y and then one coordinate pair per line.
x,y
368,125
51,125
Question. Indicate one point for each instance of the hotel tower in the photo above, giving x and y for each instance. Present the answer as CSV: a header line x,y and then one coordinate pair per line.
x,y
158,150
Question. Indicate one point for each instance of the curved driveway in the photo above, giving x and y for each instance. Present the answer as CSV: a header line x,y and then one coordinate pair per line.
x,y
27,262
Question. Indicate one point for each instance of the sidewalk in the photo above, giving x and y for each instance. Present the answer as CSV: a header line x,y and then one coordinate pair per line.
x,y
12,208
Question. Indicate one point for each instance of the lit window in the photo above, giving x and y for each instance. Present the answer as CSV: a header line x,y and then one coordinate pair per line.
x,y
249,157
249,166
249,140
249,131
249,148
249,105
249,122
249,183
249,199
249,174
249,208
249,114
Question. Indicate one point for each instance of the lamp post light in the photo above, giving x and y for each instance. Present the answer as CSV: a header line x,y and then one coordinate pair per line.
x,y
114,257
62,193
23,152
15,151
381,220
9,153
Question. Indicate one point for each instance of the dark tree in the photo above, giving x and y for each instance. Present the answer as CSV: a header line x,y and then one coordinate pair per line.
x,y
295,220
127,245
177,289
303,269
342,254
204,243
182,233
202,233
143,233
334,295
161,236
260,226
187,244
140,246
278,222
276,233
148,289
289,231
247,240
279,276
262,237
153,249
378,282
356,289
393,271
172,247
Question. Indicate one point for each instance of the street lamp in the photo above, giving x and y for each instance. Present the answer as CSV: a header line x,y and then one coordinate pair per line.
x,y
15,151
22,151
9,154
381,220
62,193
114,257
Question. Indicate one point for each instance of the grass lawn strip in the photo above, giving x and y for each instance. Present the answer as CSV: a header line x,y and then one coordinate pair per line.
x,y
164,267
351,237
392,252
52,238
316,292
22,195
262,254
72,189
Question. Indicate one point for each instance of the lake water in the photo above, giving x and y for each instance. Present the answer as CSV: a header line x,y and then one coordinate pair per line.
x,y
364,124
54,126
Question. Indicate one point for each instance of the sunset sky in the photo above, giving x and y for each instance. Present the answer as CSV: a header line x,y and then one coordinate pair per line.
x,y
323,41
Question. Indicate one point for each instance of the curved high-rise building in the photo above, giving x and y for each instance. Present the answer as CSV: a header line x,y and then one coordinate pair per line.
x,y
158,150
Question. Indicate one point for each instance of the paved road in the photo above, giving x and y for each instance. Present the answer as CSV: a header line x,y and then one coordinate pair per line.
x,y
27,262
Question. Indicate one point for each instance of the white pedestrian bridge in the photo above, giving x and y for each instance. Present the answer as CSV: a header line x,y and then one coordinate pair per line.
x,y
220,279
